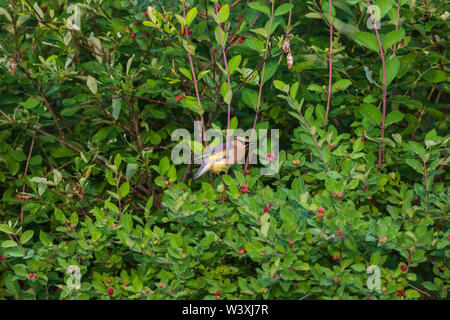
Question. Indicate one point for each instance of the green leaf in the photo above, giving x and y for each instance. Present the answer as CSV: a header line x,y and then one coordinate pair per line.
x,y
341,84
234,63
186,73
9,244
416,165
224,13
31,103
366,39
375,258
435,76
190,16
255,44
385,6
250,98
417,148
92,84
280,85
393,117
392,37
164,165
228,96
412,294
26,236
132,168
260,7
293,90
5,228
116,107
127,222
282,9
392,67
270,70
124,189
370,112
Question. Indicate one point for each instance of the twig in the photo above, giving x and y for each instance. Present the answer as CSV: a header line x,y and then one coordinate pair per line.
x,y
261,83
224,55
330,75
396,26
383,63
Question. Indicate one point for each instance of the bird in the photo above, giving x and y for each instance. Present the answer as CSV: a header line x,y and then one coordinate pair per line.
x,y
216,159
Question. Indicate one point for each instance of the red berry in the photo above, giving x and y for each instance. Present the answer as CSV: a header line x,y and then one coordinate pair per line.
x,y
292,269
403,268
125,283
244,186
3,258
266,209
241,252
270,205
217,293
35,275
321,210
146,14
353,138
217,8
147,291
189,32
45,9
30,275
161,284
291,243
179,97
58,289
320,215
340,194
215,51
448,237
147,34
240,40
136,22
110,291
334,194
363,140
335,256
339,232
133,35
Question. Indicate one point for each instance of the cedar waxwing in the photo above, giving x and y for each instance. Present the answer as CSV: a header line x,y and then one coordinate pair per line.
x,y
216,160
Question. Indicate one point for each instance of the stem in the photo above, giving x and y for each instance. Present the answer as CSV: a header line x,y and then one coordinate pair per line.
x,y
425,174
194,78
23,184
330,75
396,26
261,83
380,152
228,79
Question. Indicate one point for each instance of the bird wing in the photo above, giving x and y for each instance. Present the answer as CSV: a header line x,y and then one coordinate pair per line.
x,y
210,151
209,163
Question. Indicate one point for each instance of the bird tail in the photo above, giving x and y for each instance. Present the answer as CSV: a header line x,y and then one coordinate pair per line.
x,y
205,166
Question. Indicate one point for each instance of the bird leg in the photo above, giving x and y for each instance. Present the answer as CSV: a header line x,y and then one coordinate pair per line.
x,y
224,188
211,178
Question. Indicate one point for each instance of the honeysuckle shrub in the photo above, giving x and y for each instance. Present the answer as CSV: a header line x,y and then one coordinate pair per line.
x,y
91,92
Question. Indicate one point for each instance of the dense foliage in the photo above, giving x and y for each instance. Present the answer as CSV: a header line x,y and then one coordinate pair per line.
x,y
87,109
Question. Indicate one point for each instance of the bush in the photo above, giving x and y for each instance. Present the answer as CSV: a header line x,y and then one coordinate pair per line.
x,y
86,117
